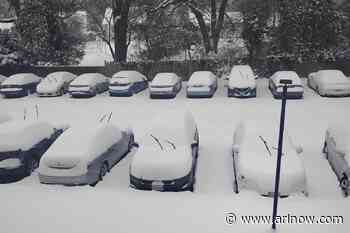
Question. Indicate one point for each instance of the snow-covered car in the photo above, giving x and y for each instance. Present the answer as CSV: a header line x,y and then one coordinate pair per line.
x,y
88,85
167,156
329,83
202,84
165,85
4,118
255,157
22,145
2,78
337,151
241,82
84,154
19,85
127,83
295,89
55,84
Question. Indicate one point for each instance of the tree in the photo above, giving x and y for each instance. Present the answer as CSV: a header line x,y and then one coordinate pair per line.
x,y
210,32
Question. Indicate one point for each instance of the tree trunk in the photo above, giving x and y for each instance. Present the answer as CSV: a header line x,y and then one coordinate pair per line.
x,y
203,29
121,15
219,25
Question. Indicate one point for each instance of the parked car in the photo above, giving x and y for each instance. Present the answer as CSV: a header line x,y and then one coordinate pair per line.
x,y
127,83
337,151
241,82
165,85
4,118
2,78
84,154
88,85
55,84
254,154
329,83
21,146
19,85
167,156
294,91
202,84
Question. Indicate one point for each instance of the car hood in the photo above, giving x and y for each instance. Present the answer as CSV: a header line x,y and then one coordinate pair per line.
x,y
151,163
48,87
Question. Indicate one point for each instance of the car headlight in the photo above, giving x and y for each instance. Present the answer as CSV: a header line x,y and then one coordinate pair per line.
x,y
10,163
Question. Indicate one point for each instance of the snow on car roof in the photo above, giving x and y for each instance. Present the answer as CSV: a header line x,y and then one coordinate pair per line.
x,y
89,79
242,76
331,76
83,142
22,135
202,78
291,75
131,75
21,79
60,76
165,79
55,79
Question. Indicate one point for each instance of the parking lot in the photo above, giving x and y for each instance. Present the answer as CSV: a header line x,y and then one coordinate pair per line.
x,y
122,209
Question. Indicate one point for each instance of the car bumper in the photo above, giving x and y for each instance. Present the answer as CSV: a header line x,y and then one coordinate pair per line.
x,y
126,92
51,94
164,94
194,94
337,93
290,95
13,94
81,94
241,92
66,180
181,184
8,175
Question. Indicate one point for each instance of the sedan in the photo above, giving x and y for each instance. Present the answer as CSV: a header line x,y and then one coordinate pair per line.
x,y
88,85
127,83
336,148
165,85
19,85
241,82
167,156
329,83
55,84
254,154
84,154
22,145
202,84
295,89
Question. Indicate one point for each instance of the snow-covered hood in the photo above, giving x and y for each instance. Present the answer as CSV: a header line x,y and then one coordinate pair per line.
x,y
241,82
46,86
152,163
22,135
201,78
90,79
164,81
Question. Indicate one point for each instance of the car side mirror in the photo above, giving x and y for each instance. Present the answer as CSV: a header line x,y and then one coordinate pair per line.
x,y
235,149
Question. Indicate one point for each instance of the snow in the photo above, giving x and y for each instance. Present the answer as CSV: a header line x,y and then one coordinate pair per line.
x,y
165,79
4,118
28,206
22,135
242,76
88,79
331,76
290,75
258,166
21,79
78,146
128,76
341,135
54,81
203,78
2,78
164,162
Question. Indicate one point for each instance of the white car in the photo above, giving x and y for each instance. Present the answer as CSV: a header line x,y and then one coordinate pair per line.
x,y
84,154
19,85
165,85
255,158
167,156
337,150
127,83
241,82
295,89
329,83
202,84
88,85
55,84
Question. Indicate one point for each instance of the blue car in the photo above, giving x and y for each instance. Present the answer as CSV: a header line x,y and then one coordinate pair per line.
x,y
241,82
127,83
202,84
22,145
19,85
88,85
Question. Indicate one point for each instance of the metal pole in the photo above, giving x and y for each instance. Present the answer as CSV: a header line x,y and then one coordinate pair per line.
x,y
279,156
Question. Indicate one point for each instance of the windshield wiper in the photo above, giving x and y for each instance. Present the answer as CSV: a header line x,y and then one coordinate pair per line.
x,y
266,145
171,143
157,140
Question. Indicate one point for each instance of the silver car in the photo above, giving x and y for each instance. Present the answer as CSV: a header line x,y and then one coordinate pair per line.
x,y
337,150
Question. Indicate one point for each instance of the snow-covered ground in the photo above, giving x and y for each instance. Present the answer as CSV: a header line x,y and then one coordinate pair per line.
x,y
28,206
